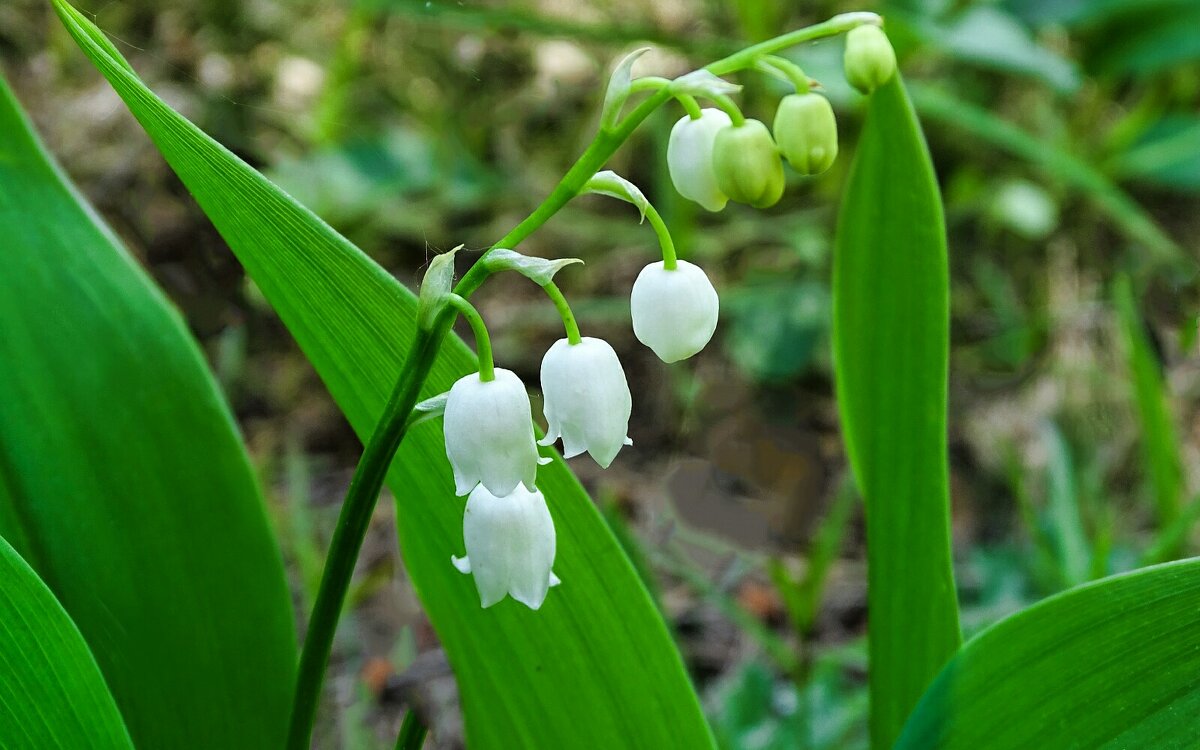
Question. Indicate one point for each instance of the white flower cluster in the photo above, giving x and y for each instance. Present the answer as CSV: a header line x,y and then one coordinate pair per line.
x,y
712,158
507,528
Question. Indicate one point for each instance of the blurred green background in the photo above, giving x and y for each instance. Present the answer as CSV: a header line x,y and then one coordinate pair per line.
x,y
1066,135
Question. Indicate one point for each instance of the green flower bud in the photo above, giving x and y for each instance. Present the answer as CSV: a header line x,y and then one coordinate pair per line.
x,y
747,164
870,60
806,132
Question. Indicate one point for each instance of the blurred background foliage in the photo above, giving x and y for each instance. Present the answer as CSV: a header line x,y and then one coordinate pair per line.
x,y
1066,134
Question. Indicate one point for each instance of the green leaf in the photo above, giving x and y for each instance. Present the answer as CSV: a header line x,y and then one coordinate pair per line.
x,y
128,489
596,663
1159,445
52,694
1111,664
891,347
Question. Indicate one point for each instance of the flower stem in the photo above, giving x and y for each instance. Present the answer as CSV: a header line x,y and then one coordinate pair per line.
x,y
790,70
564,312
664,237
390,430
729,107
690,106
483,342
352,527
412,732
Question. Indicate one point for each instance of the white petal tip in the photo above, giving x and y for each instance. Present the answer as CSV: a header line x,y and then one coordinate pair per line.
x,y
462,563
555,580
534,604
543,460
548,440
628,440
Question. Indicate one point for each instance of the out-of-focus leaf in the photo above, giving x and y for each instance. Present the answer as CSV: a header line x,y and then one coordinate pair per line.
x,y
596,663
1142,37
1167,154
1111,664
491,18
52,695
891,348
1159,445
991,38
370,180
128,489
1065,522
758,709
1127,215
775,327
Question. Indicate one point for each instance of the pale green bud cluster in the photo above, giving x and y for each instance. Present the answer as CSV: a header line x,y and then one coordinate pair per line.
x,y
714,157
869,59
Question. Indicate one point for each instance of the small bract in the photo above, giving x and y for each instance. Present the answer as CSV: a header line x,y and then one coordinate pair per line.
x,y
747,164
690,158
489,434
510,546
587,399
806,131
674,311
869,59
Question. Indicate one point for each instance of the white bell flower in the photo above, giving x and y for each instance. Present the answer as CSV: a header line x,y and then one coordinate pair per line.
x,y
489,434
587,399
674,311
690,158
510,546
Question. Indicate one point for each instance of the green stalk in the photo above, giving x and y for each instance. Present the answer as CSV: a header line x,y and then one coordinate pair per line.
x,y
564,312
483,342
412,732
389,431
352,528
664,238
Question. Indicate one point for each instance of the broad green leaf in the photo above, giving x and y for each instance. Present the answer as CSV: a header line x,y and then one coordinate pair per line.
x,y
1159,446
596,664
891,348
128,490
52,694
1111,664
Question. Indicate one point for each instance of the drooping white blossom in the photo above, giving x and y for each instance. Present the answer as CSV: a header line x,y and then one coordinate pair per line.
x,y
674,311
510,545
587,400
690,158
489,434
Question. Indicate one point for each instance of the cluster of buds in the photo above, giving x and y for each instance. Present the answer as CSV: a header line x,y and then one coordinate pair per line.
x,y
714,155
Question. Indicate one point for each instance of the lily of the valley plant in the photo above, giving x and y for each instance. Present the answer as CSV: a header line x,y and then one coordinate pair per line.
x,y
714,155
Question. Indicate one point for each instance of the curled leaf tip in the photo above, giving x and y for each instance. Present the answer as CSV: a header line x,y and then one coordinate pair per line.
x,y
618,88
